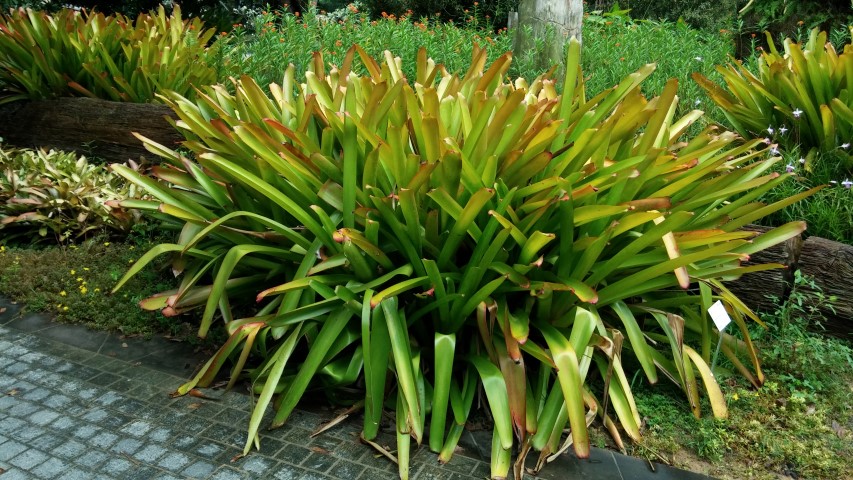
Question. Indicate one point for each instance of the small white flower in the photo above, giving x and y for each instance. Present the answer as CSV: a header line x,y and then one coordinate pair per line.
x,y
770,130
697,102
833,182
797,113
774,150
847,184
789,168
845,146
803,161
766,140
782,130
698,59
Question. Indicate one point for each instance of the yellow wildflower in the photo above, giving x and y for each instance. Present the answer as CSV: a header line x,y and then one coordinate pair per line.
x,y
97,290
83,290
735,397
62,293
79,279
106,244
73,272
64,309
86,269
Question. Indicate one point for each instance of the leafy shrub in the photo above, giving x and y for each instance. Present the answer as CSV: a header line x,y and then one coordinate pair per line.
x,y
799,98
72,53
57,196
459,231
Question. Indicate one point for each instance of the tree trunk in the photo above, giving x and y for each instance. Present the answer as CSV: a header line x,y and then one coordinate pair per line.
x,y
544,27
88,126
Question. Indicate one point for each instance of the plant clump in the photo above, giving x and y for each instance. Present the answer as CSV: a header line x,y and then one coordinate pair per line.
x,y
460,234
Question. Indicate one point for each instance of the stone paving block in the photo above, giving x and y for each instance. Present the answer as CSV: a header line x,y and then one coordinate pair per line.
x,y
137,428
129,406
208,449
16,474
149,453
70,449
30,432
86,431
319,461
8,401
174,461
289,472
51,468
142,472
56,401
116,467
228,435
104,440
373,474
200,469
28,459
21,409
126,446
293,454
43,417
346,470
314,476
161,434
10,450
47,442
106,399
225,473
104,379
92,459
11,425
36,394
257,465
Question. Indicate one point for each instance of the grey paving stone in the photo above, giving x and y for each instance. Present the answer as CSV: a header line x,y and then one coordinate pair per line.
x,y
200,469
92,459
142,472
95,415
70,449
104,379
28,459
30,432
373,474
346,470
293,454
11,425
117,467
22,410
137,428
309,475
104,440
56,401
36,394
208,449
174,461
16,474
47,442
289,472
10,450
86,431
126,446
257,465
161,434
225,473
51,468
43,417
319,461
149,453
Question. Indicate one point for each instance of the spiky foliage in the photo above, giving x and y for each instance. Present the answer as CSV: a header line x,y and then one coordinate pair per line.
x,y
463,233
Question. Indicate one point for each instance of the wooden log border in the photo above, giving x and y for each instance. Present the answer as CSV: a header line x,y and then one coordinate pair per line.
x,y
88,126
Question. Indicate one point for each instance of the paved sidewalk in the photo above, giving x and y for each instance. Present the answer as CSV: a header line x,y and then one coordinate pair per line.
x,y
78,404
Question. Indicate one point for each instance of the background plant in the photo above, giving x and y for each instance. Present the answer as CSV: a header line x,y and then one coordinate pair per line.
x,y
799,98
56,197
109,57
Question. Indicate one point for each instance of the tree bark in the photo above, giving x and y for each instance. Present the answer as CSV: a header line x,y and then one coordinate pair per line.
x,y
830,265
88,126
544,27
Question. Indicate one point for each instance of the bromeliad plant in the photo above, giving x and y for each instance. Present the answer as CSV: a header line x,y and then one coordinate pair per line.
x,y
59,196
71,53
806,90
436,238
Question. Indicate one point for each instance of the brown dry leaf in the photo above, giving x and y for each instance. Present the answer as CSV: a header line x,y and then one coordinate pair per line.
x,y
319,450
13,392
197,394
2,310
194,406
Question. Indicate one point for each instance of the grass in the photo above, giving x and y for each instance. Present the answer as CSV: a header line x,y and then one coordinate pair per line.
x,y
73,283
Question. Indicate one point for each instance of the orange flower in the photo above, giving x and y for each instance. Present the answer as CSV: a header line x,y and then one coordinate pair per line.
x,y
338,43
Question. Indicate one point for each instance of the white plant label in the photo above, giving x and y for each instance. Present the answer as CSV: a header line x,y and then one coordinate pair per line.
x,y
719,315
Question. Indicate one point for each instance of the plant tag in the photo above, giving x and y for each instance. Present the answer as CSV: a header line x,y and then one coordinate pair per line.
x,y
719,315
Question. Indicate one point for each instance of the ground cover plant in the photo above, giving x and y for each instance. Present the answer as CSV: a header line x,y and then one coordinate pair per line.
x,y
452,230
797,425
72,53
73,283
56,197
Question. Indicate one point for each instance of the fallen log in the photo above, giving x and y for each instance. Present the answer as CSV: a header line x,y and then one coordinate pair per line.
x,y
88,126
830,265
